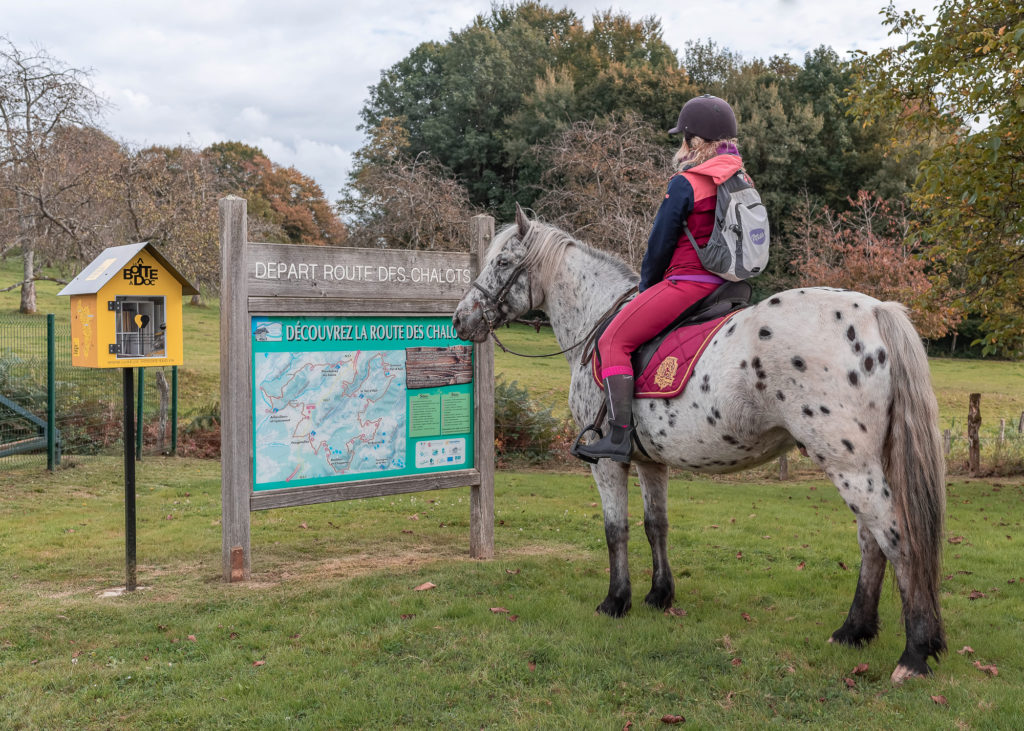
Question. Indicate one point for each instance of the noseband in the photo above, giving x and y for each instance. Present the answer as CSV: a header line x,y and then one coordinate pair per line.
x,y
497,304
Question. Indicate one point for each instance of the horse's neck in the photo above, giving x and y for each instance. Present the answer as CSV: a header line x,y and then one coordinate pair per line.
x,y
583,290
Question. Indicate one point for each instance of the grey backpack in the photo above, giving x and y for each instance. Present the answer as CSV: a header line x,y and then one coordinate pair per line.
x,y
738,247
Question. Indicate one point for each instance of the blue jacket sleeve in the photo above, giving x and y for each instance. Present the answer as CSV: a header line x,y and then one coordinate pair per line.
x,y
665,233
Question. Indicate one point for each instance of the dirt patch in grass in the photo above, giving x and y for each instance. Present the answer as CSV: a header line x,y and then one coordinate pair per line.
x,y
405,560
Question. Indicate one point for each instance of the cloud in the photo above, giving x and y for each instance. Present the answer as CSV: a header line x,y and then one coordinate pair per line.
x,y
292,78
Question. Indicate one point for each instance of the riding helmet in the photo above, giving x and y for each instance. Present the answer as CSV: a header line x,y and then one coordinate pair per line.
x,y
708,117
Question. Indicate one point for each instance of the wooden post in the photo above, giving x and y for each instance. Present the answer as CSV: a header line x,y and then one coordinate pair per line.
x,y
164,389
947,441
783,467
1020,424
481,497
235,392
1002,430
973,441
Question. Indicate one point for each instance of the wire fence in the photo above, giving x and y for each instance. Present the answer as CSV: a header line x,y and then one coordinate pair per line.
x,y
87,406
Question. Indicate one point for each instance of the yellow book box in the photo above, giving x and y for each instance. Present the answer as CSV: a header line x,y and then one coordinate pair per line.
x,y
126,310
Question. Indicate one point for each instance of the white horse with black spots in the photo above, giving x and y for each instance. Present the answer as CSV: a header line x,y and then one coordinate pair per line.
x,y
838,374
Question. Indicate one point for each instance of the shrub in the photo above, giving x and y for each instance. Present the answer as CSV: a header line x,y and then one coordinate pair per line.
x,y
523,428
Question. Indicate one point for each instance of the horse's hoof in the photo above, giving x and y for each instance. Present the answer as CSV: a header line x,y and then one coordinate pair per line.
x,y
902,672
613,608
659,599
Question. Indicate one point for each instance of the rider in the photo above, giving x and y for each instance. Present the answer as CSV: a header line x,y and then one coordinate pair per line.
x,y
671,276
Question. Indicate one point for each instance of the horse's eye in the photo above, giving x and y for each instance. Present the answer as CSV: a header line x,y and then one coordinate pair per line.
x,y
502,261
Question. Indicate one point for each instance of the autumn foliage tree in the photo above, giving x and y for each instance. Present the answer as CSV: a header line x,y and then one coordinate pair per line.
x,y
291,206
959,80
868,249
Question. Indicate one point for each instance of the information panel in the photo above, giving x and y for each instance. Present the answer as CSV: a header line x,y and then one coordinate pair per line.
x,y
337,399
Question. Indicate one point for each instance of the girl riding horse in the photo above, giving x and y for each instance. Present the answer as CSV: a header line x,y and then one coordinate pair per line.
x,y
671,276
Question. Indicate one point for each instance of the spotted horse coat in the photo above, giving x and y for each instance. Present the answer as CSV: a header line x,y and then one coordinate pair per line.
x,y
838,374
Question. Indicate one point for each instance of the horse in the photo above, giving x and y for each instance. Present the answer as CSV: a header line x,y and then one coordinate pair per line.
x,y
836,373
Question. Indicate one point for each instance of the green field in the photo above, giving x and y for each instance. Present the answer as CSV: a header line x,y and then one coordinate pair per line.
x,y
330,632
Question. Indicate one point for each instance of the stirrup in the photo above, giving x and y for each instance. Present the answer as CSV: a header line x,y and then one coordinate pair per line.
x,y
574,450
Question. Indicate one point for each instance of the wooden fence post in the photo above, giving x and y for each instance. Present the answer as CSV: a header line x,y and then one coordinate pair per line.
x,y
783,467
1002,430
947,441
235,390
481,497
973,441
1020,424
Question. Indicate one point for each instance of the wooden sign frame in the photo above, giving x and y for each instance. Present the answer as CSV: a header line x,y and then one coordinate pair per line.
x,y
259,279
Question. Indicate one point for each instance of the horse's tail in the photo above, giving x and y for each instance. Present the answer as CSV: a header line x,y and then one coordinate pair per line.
x,y
913,461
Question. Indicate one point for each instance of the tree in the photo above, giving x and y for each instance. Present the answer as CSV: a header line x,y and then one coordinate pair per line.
x,y
867,248
602,183
284,205
958,82
480,101
40,98
401,201
169,201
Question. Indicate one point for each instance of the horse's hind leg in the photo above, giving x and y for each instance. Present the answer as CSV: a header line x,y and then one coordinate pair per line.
x,y
612,481
861,623
654,487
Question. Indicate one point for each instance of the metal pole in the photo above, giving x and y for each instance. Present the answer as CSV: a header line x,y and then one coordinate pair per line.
x,y
51,396
129,481
174,410
138,418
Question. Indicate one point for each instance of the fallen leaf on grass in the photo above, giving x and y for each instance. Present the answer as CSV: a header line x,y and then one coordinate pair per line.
x,y
860,669
303,526
191,638
850,682
940,700
425,587
990,669
408,532
414,516
258,663
968,650
843,566
499,610
672,719
976,595
531,666
739,554
956,539
800,566
512,617
736,662
675,612
408,616
746,617
513,572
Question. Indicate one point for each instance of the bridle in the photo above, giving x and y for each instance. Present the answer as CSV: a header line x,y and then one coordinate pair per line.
x,y
497,305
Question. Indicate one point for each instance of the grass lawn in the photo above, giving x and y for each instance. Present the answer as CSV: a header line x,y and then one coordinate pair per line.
x,y
331,633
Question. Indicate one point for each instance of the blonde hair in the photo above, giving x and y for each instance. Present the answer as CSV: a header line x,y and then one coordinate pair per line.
x,y
698,150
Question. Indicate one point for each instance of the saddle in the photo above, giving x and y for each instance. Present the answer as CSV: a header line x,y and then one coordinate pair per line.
x,y
663,365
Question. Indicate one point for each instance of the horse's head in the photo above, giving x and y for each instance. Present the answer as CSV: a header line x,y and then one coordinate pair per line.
x,y
504,290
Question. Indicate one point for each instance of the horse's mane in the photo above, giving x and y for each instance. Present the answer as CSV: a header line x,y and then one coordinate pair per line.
x,y
546,245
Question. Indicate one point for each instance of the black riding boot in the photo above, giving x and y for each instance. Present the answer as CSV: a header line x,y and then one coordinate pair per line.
x,y
617,444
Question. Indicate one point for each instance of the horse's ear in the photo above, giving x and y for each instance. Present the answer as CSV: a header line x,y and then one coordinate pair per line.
x,y
522,221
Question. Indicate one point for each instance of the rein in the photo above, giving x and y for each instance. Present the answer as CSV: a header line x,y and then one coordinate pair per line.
x,y
585,339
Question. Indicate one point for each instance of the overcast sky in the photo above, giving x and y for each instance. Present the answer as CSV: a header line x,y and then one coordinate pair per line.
x,y
290,77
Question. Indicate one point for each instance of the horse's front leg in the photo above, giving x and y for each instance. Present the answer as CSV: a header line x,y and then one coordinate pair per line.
x,y
654,487
612,484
